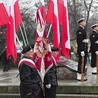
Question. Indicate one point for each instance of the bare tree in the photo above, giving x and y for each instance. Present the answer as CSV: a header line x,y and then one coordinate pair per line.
x,y
88,9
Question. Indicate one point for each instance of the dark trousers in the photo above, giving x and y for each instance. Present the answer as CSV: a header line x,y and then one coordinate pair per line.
x,y
36,91
80,63
93,60
51,92
6,67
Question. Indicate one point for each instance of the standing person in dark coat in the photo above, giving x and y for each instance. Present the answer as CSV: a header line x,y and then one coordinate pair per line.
x,y
94,47
29,77
5,62
82,48
50,79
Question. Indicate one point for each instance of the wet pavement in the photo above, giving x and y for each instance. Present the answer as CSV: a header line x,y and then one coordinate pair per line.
x,y
10,78
92,80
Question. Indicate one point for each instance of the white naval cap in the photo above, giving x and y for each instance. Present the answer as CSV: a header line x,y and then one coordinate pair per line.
x,y
80,20
94,25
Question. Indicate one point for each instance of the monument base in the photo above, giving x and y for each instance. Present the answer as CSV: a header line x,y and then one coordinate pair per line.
x,y
66,69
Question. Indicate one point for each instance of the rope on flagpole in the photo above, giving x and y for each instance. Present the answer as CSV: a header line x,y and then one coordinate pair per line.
x,y
22,35
49,30
25,33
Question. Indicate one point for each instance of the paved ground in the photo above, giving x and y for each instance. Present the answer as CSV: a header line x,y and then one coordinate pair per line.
x,y
92,80
9,78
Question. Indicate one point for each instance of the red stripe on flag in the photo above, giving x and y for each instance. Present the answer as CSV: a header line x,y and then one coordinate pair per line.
x,y
10,40
63,17
50,13
3,15
14,22
52,18
18,18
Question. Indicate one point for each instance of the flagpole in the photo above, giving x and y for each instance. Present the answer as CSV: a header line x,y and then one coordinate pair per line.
x,y
22,35
18,41
49,30
25,33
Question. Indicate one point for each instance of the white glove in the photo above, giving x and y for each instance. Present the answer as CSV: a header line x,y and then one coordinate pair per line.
x,y
96,42
29,93
86,40
48,86
96,52
82,53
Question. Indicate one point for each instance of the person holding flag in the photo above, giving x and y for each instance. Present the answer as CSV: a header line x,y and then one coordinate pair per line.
x,y
43,57
29,76
50,79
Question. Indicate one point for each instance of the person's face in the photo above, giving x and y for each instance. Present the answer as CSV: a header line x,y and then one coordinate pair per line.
x,y
83,23
29,54
54,53
96,28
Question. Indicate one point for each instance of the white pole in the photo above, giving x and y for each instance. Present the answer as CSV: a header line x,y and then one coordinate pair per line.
x,y
22,35
18,41
49,30
25,33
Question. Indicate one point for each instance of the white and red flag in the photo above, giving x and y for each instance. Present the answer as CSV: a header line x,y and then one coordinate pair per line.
x,y
53,19
3,14
63,18
42,53
12,26
39,47
40,16
48,59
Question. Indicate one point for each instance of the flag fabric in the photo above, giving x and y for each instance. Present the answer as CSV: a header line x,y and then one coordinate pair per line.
x,y
39,50
40,41
63,19
40,16
53,19
50,13
3,14
42,54
48,59
11,29
18,17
